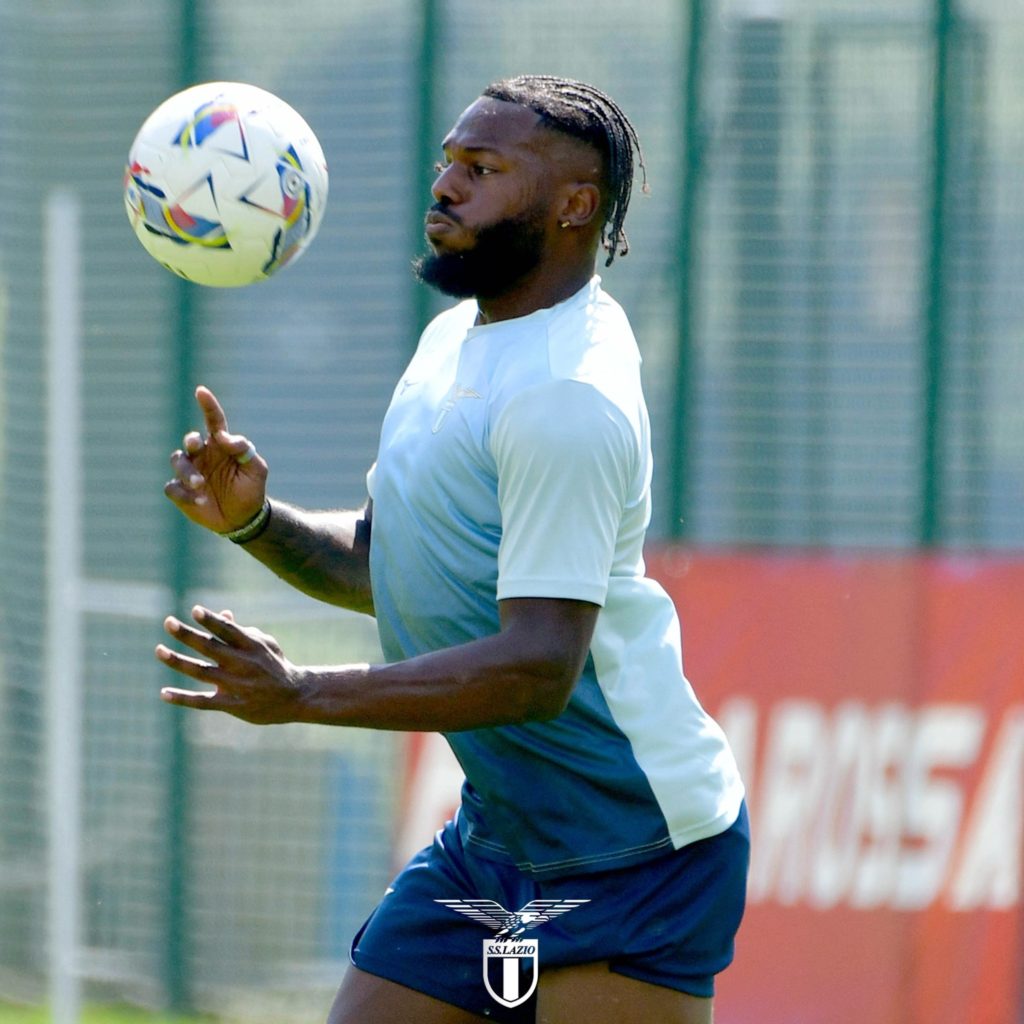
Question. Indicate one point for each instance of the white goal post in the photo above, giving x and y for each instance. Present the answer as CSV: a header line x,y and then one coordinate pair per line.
x,y
70,595
64,653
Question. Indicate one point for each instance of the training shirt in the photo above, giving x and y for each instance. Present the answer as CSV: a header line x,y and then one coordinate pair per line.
x,y
515,461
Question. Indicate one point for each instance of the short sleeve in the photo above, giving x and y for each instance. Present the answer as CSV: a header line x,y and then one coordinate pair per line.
x,y
565,456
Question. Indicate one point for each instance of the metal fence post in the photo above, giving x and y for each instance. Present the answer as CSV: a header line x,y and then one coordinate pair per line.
x,y
681,448
180,573
761,311
935,313
425,82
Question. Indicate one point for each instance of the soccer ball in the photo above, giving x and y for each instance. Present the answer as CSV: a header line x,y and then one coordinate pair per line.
x,y
225,184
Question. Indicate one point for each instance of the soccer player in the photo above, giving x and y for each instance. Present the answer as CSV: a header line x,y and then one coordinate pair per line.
x,y
501,552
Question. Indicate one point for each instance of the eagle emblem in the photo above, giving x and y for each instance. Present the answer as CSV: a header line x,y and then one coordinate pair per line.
x,y
510,966
507,924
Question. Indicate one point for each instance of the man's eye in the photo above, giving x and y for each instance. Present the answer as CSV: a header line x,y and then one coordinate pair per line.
x,y
477,170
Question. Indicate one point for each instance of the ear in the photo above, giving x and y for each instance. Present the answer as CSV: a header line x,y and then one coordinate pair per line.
x,y
580,204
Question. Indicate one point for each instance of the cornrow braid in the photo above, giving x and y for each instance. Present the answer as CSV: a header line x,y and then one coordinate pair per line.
x,y
585,113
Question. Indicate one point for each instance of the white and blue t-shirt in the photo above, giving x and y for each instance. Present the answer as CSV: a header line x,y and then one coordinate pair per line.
x,y
515,462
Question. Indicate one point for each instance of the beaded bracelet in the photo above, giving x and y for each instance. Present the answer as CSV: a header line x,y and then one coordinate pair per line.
x,y
252,529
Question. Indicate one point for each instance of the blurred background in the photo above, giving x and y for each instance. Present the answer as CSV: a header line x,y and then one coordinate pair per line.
x,y
826,282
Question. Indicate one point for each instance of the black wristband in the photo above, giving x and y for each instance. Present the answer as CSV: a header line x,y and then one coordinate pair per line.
x,y
253,528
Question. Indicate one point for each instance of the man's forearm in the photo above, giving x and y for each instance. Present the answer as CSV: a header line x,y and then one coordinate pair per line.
x,y
324,554
471,687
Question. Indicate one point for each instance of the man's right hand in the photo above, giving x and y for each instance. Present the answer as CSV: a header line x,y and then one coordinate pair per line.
x,y
220,480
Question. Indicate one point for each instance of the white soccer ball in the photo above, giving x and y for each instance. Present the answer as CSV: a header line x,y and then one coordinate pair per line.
x,y
225,184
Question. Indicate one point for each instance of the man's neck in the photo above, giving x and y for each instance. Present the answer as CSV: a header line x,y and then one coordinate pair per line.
x,y
539,291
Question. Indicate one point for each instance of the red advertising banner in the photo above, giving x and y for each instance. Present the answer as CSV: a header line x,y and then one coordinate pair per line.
x,y
877,707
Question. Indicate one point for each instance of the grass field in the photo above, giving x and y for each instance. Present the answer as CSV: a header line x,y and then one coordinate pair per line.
x,y
92,1015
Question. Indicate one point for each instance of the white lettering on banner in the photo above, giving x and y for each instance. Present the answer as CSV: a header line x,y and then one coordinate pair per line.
x,y
888,742
990,867
843,809
866,806
791,781
946,736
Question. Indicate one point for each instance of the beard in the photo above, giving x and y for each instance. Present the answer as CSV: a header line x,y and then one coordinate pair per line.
x,y
502,255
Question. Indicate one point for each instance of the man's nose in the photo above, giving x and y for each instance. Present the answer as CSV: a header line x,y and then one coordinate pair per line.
x,y
446,188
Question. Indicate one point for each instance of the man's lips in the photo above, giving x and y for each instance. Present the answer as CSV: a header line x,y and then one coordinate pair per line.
x,y
440,224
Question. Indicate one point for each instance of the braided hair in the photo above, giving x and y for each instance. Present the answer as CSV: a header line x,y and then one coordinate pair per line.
x,y
585,113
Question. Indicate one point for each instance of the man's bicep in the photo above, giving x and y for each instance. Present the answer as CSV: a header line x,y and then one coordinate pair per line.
x,y
553,634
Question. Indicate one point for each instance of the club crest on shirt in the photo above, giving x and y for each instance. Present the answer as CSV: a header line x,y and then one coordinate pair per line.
x,y
456,393
510,962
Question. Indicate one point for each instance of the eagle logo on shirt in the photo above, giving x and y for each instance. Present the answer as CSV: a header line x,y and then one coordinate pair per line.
x,y
456,393
506,923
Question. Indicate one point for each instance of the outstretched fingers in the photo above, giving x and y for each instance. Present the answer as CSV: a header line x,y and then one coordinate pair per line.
x,y
200,671
224,637
250,676
208,669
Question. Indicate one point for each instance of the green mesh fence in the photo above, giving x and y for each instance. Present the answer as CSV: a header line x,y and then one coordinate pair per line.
x,y
826,286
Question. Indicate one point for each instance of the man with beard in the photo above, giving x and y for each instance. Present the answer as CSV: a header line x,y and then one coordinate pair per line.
x,y
501,552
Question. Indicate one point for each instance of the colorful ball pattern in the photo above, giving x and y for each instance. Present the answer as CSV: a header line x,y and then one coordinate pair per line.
x,y
225,184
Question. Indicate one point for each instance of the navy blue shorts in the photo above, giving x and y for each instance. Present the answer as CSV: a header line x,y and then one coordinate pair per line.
x,y
669,921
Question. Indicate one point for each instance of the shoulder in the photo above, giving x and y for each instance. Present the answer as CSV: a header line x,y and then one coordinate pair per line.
x,y
574,375
587,339
592,341
565,422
